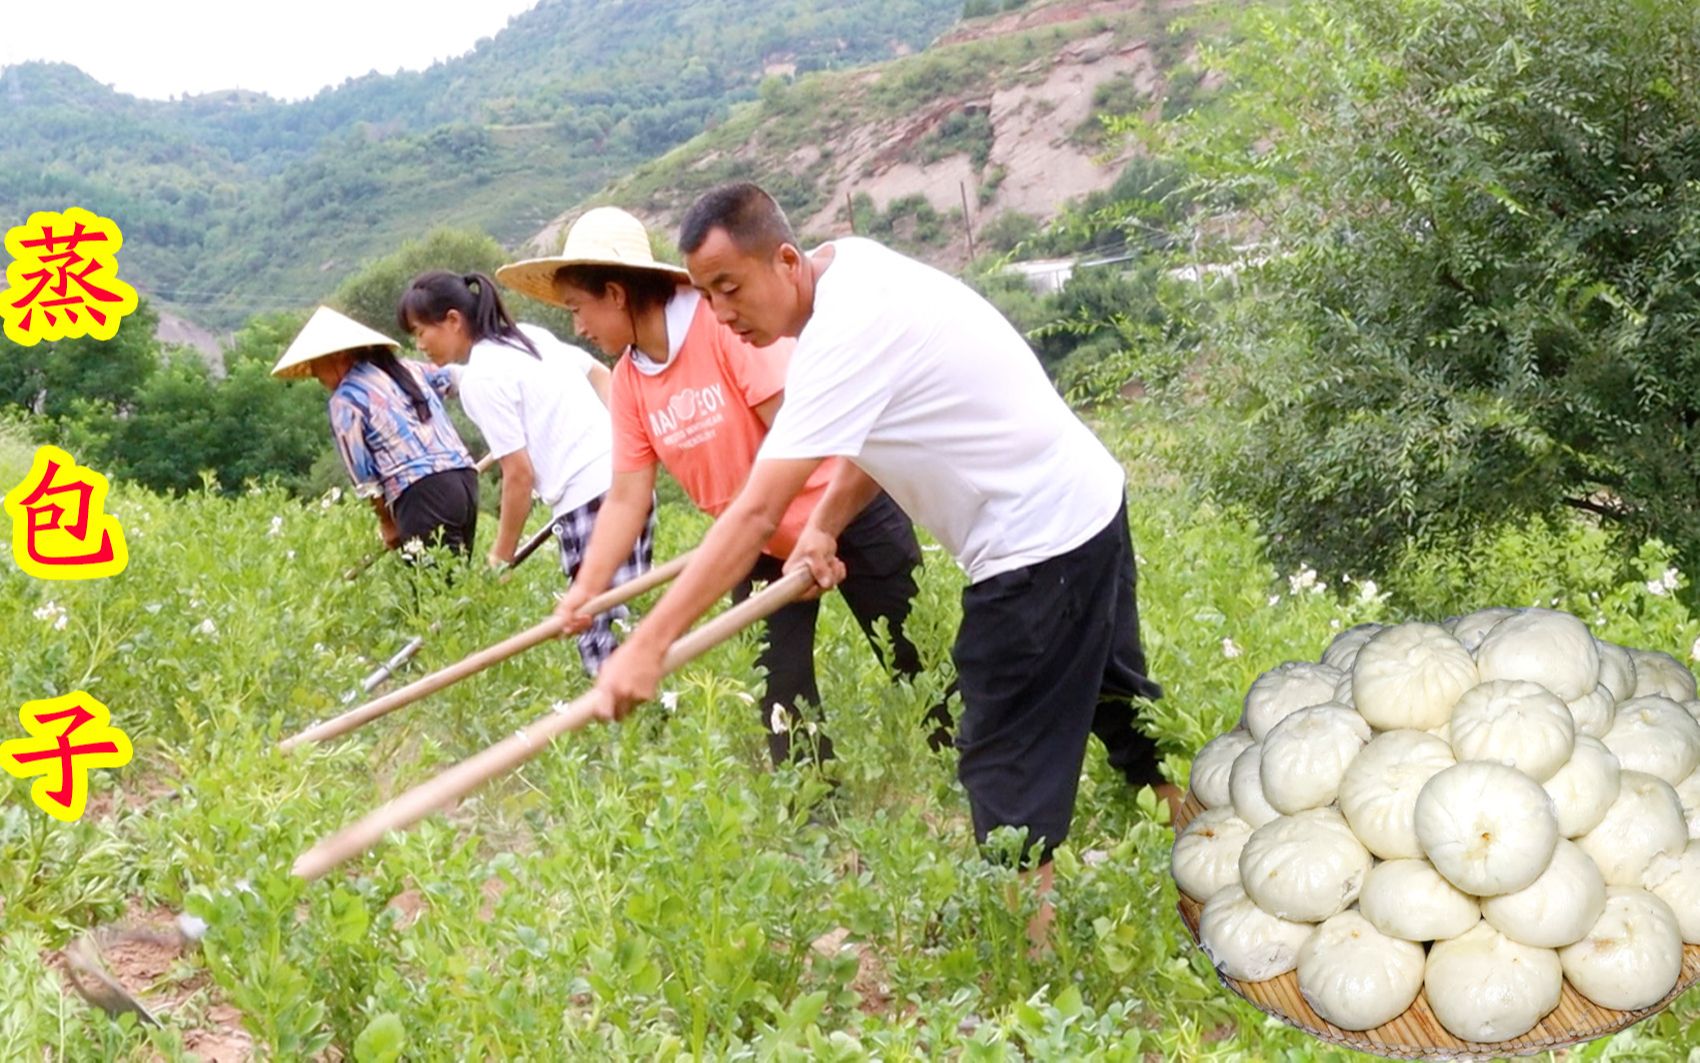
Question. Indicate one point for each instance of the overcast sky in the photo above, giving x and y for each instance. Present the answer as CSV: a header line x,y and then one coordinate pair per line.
x,y
288,49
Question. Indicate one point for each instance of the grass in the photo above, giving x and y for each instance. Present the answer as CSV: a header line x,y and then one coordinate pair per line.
x,y
16,455
649,888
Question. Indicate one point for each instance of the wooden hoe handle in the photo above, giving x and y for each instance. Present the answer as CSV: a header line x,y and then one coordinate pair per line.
x,y
477,662
458,781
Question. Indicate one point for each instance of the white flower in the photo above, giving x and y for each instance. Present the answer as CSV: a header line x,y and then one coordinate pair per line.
x,y
1230,650
413,547
1665,583
777,722
330,498
1302,580
289,555
669,700
1334,624
277,528
1368,590
206,627
52,613
318,647
1694,651
59,624
1274,599
1094,858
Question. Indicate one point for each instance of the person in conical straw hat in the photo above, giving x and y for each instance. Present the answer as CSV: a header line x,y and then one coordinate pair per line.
x,y
541,405
691,395
400,448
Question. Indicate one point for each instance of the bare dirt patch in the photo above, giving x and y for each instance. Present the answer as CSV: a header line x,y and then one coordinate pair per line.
x,y
145,958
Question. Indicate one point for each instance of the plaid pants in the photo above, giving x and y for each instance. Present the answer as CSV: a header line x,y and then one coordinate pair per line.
x,y
572,535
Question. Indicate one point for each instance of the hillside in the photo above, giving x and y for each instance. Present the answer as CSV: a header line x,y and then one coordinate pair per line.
x,y
235,203
1000,116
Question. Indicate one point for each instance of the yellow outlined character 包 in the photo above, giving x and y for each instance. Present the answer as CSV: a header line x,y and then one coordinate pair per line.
x,y
60,529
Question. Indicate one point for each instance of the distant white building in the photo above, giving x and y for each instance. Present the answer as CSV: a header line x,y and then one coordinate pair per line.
x,y
1044,275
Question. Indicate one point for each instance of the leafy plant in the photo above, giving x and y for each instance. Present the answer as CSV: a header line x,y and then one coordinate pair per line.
x,y
1474,238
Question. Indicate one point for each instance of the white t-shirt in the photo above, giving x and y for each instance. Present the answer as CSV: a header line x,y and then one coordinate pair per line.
x,y
680,311
923,384
546,407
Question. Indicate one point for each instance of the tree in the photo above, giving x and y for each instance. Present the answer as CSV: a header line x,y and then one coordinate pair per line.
x,y
371,295
182,421
50,378
1480,229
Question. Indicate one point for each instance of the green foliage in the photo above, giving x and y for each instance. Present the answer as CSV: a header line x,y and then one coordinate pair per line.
x,y
652,888
1144,212
162,417
965,132
370,296
1121,317
981,8
1478,238
1116,97
17,453
51,378
1007,231
183,422
908,223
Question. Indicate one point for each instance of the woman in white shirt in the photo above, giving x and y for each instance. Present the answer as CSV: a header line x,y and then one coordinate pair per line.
x,y
541,405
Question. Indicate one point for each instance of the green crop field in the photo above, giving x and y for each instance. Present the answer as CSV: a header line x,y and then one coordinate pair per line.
x,y
652,888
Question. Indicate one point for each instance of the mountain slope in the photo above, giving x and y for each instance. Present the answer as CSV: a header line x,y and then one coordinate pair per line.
x,y
234,203
1000,116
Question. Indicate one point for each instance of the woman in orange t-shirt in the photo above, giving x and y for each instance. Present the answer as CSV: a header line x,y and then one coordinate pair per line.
x,y
690,394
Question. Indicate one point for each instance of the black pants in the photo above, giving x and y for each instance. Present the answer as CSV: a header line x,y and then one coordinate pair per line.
x,y
880,554
1046,655
443,507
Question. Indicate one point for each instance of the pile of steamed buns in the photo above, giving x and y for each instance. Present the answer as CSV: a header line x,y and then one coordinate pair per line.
x,y
1480,809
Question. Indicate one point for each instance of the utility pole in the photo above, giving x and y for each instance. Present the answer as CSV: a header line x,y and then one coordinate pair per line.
x,y
967,222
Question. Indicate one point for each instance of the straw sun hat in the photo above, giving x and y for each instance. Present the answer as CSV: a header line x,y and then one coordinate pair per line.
x,y
602,236
327,332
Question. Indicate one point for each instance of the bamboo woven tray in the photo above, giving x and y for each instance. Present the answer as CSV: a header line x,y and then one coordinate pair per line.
x,y
1417,1034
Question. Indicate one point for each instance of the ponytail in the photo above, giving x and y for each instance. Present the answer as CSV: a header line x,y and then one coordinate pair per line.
x,y
492,319
430,296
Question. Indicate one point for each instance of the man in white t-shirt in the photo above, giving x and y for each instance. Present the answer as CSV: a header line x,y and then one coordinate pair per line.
x,y
929,393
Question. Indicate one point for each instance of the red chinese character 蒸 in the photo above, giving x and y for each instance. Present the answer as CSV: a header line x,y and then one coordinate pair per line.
x,y
63,279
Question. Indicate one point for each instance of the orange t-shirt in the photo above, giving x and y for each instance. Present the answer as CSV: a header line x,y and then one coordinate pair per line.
x,y
697,418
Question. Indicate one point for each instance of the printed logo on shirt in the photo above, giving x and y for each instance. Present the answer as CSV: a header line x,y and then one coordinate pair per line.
x,y
690,416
